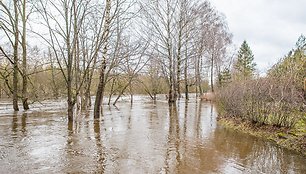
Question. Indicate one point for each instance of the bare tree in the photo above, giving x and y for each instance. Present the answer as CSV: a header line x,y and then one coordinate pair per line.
x,y
135,61
212,42
9,24
11,28
161,28
64,25
24,20
181,31
175,42
217,49
92,37
101,85
116,17
152,80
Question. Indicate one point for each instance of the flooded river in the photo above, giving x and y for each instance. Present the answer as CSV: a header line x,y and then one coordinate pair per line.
x,y
143,137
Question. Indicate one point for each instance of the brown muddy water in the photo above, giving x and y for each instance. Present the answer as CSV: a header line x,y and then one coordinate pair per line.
x,y
144,137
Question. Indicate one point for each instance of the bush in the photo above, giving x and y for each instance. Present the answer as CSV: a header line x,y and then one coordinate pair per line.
x,y
274,101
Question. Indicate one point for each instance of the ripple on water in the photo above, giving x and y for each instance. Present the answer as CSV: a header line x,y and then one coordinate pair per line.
x,y
145,137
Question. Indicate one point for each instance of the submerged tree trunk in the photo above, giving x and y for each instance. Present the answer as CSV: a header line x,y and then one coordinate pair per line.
x,y
86,103
131,92
172,96
70,95
181,27
186,71
186,80
70,110
76,56
24,60
122,91
100,90
69,71
88,82
111,91
15,73
198,77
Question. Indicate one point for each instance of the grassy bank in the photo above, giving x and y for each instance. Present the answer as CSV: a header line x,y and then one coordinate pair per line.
x,y
289,138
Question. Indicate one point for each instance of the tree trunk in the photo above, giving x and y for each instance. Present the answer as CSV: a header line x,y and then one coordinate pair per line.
x,y
122,91
179,48
87,98
212,74
69,75
178,79
76,56
100,90
178,70
99,94
186,71
111,91
70,111
200,78
69,101
186,80
172,84
24,60
15,73
131,92
171,98
197,76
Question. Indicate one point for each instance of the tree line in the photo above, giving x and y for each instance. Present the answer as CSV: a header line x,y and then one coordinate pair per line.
x,y
95,48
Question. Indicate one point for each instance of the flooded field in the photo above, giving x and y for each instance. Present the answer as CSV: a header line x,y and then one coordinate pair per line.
x,y
143,137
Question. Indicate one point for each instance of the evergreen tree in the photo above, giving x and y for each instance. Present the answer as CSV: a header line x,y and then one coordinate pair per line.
x,y
225,77
245,66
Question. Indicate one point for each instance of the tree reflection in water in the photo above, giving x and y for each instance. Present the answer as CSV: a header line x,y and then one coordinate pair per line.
x,y
99,147
147,137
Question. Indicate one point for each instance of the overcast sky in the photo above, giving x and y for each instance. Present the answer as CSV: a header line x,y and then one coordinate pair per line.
x,y
271,27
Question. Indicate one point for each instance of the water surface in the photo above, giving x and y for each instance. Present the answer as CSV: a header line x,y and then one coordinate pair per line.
x,y
143,137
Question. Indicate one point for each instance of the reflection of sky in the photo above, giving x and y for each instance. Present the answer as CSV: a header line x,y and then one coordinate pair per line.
x,y
142,138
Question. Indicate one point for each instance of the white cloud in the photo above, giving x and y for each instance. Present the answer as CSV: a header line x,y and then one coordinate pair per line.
x,y
270,27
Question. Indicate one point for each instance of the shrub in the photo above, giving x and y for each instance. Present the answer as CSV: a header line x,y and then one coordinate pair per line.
x,y
274,101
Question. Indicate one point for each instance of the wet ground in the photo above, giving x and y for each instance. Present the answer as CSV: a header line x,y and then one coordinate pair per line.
x,y
144,137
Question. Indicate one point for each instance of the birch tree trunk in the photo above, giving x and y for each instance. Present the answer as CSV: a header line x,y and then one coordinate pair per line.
x,y
101,85
24,59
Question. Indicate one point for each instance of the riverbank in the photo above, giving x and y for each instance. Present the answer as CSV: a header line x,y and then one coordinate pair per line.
x,y
292,139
